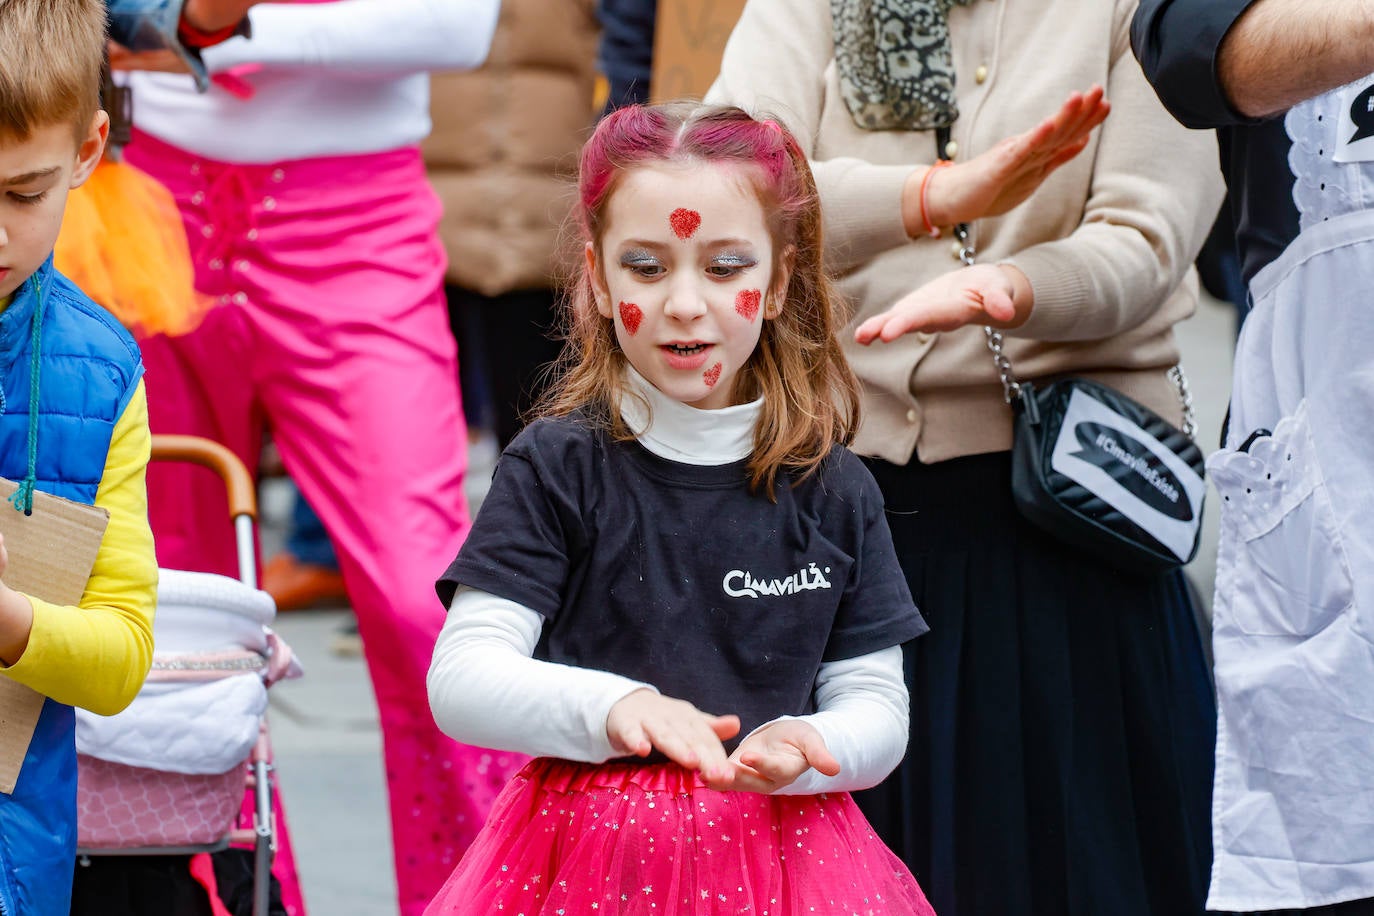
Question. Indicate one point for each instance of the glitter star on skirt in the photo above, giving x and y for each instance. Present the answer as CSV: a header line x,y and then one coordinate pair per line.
x,y
624,839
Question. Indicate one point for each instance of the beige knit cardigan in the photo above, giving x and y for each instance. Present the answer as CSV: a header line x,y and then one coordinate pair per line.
x,y
1107,242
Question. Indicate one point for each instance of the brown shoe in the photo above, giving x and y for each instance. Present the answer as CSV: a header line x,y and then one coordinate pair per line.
x,y
295,585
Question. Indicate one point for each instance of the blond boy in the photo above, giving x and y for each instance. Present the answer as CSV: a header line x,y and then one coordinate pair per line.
x,y
73,422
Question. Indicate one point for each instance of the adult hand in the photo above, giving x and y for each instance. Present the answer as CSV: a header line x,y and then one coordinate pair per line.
x,y
215,15
776,756
993,294
998,180
643,721
160,60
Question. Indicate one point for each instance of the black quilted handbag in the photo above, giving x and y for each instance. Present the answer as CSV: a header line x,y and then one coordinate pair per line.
x,y
1107,474
1102,471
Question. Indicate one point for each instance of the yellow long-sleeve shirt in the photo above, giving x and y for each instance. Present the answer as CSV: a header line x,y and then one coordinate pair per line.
x,y
96,655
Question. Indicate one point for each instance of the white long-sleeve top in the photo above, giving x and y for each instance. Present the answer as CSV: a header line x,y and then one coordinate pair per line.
x,y
326,79
486,689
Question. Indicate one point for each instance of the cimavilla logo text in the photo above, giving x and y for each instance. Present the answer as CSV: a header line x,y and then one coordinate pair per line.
x,y
740,584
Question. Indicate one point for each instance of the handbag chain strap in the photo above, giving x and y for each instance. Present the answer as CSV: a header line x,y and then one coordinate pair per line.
x,y
1011,387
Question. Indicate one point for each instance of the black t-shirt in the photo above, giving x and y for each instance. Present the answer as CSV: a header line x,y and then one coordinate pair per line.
x,y
678,576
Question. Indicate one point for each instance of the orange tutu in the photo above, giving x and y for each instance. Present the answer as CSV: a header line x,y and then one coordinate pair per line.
x,y
124,244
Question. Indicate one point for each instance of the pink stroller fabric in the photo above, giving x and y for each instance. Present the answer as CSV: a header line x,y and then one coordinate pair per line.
x,y
121,807
162,774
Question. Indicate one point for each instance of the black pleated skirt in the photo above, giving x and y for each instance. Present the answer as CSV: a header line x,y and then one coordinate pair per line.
x,y
1062,717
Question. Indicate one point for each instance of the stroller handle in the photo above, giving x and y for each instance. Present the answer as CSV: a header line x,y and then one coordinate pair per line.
x,y
243,498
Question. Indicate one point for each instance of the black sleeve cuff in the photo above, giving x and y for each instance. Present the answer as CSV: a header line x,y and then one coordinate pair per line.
x,y
1177,42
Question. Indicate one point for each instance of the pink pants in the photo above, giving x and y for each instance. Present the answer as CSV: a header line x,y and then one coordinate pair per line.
x,y
331,329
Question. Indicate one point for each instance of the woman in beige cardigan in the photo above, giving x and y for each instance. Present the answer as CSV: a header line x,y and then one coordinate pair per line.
x,y
1062,722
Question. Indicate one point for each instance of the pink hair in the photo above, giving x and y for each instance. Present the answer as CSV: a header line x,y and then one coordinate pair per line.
x,y
811,400
640,135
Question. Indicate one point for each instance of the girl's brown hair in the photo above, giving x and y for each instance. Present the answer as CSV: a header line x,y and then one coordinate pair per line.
x,y
810,395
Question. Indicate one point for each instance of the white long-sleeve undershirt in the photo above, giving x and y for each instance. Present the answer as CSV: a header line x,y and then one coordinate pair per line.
x,y
486,689
327,79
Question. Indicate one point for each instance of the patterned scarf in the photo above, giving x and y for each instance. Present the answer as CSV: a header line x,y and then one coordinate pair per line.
x,y
896,66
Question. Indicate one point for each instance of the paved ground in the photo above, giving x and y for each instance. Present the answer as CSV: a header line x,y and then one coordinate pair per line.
x,y
325,725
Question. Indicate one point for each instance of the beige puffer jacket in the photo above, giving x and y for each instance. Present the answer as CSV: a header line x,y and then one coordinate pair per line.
x,y
503,152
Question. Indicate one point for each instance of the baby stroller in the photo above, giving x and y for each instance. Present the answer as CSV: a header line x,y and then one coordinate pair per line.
x,y
168,776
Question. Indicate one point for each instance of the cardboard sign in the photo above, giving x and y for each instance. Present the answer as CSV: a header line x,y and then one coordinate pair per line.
x,y
51,553
689,40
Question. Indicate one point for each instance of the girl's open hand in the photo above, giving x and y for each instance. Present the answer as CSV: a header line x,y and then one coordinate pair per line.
x,y
776,755
644,721
996,181
982,294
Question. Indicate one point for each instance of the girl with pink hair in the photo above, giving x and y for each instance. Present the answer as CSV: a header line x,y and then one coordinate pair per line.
x,y
680,594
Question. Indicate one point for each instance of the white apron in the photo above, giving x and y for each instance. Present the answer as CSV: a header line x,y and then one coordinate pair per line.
x,y
1293,802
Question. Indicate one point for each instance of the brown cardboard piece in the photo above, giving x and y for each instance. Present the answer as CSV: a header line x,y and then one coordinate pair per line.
x,y
689,40
51,553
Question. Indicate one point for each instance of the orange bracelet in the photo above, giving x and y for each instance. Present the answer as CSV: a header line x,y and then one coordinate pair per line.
x,y
931,230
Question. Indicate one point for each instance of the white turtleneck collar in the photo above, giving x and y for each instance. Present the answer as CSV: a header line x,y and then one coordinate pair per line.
x,y
679,432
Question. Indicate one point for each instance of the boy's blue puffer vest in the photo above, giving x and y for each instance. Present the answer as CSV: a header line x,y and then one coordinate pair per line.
x,y
89,370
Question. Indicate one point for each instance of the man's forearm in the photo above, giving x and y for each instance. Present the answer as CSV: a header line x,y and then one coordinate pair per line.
x,y
1281,52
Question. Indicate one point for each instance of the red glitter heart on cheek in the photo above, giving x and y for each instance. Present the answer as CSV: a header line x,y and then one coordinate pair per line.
x,y
630,316
747,303
685,223
712,375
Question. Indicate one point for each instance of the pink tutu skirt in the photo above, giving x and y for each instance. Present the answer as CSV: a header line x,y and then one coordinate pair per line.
x,y
573,839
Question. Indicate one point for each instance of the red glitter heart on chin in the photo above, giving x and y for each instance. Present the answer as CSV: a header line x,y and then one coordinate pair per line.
x,y
630,316
685,223
712,375
747,303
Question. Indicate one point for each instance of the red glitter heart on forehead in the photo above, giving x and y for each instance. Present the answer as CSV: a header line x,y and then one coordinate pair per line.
x,y
712,375
630,316
685,223
747,303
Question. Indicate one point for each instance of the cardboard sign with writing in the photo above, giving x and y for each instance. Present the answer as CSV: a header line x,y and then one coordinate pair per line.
x,y
51,553
689,40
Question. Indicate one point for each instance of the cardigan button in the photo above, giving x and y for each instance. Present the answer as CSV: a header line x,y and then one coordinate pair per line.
x,y
912,416
952,149
981,74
